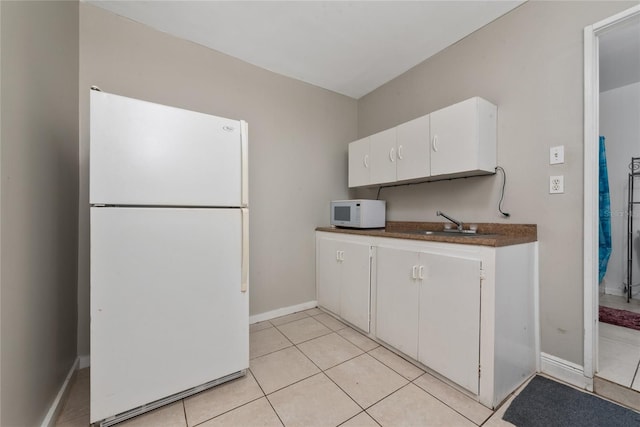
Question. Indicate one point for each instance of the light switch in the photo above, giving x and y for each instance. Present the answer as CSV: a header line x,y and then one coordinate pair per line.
x,y
556,155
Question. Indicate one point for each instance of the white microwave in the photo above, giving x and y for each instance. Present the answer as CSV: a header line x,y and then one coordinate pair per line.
x,y
359,213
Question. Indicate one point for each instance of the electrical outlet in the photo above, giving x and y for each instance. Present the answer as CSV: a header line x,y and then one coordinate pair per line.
x,y
556,184
556,155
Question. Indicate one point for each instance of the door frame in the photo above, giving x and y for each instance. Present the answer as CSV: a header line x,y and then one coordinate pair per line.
x,y
591,153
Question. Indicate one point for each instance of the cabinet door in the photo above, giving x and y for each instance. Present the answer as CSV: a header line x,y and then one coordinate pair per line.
x,y
463,138
453,138
413,149
328,274
449,331
355,291
359,163
383,156
397,299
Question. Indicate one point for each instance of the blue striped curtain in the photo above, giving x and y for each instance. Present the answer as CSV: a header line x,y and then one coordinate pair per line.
x,y
604,249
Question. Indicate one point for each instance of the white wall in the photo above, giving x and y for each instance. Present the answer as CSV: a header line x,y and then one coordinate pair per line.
x,y
297,144
529,63
38,205
620,125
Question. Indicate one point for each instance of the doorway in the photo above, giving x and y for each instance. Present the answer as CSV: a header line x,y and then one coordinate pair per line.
x,y
611,352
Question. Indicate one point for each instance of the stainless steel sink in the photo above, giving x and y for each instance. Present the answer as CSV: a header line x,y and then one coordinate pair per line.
x,y
452,233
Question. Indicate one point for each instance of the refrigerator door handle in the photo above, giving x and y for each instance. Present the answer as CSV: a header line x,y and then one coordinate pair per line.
x,y
245,250
244,135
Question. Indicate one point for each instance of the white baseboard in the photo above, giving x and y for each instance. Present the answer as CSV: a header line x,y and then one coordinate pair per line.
x,y
617,291
85,361
56,406
566,371
282,312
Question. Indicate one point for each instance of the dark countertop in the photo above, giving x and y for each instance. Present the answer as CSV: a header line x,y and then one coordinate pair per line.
x,y
499,234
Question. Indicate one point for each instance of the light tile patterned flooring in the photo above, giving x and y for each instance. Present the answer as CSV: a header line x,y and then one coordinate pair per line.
x,y
619,348
309,369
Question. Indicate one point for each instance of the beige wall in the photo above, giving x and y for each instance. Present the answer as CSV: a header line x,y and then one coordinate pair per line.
x,y
297,144
39,205
529,63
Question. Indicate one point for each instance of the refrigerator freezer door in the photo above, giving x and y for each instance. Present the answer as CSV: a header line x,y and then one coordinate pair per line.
x,y
167,309
149,154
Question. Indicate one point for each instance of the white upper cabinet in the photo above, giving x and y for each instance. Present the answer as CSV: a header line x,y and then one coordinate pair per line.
x,y
456,141
463,139
383,156
359,163
413,150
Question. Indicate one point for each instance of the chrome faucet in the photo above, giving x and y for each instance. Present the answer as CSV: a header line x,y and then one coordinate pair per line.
x,y
456,222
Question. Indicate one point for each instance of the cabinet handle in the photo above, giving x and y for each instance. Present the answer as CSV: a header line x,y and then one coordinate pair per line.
x,y
399,152
366,161
421,272
414,273
392,155
434,143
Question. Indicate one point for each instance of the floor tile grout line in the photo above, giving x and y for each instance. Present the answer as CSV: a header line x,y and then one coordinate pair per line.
x,y
635,374
445,403
323,372
358,332
330,332
311,339
271,352
290,321
264,395
400,355
390,367
386,396
293,383
361,412
419,376
371,416
337,364
227,411
344,391
184,411
275,411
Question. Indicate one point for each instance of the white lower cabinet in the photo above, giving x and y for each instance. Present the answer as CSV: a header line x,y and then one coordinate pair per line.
x,y
397,299
449,324
343,282
428,307
466,312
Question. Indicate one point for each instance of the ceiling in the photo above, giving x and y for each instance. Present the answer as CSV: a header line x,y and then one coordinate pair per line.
x,y
349,47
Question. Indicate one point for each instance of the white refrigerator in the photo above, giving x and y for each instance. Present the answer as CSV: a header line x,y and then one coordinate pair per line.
x,y
169,254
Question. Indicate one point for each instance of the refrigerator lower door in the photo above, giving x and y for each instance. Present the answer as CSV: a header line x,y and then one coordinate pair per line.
x,y
167,308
